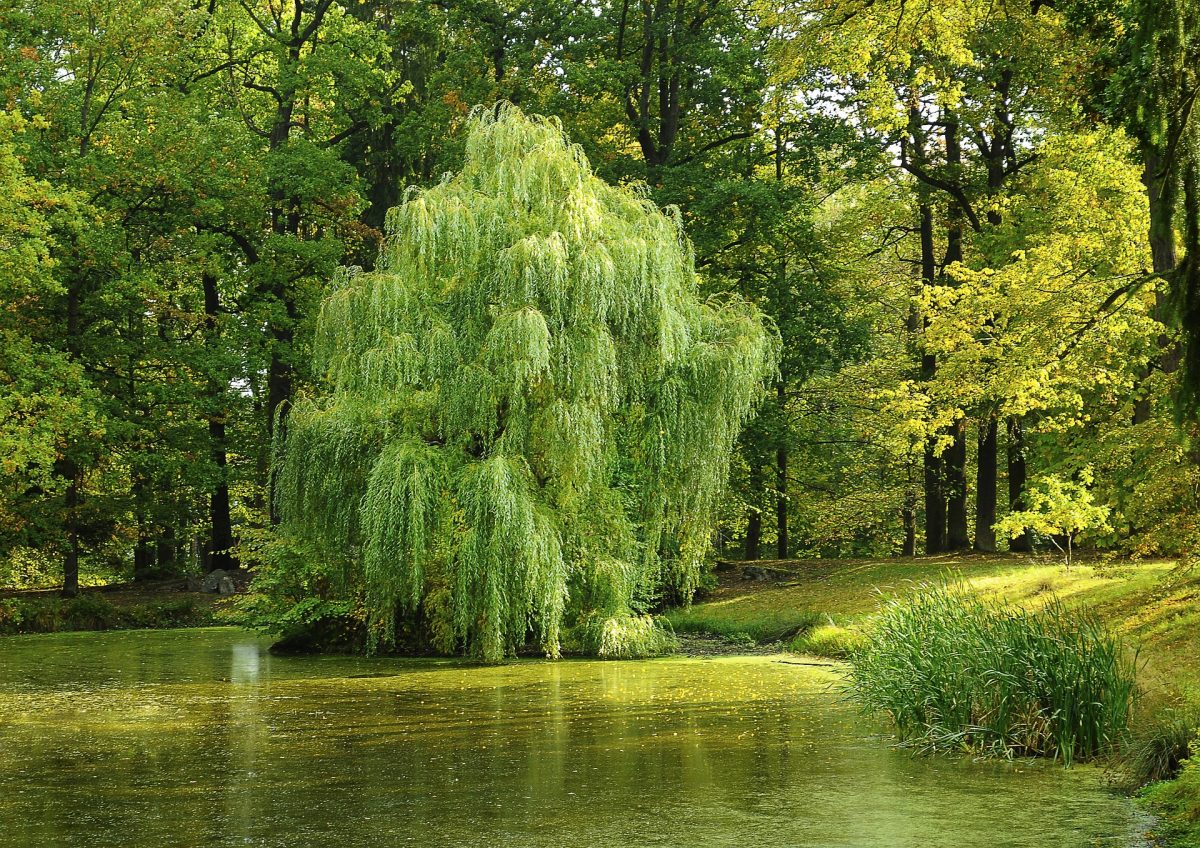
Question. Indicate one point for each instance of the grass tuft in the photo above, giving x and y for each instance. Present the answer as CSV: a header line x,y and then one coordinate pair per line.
x,y
828,640
957,672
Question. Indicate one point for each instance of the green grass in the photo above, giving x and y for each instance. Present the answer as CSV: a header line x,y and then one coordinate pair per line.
x,y
957,672
1153,604
756,625
1177,805
827,640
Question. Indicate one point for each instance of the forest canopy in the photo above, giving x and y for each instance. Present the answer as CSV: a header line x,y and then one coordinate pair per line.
x,y
974,229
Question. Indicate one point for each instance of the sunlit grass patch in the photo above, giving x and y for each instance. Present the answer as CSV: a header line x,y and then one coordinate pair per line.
x,y
734,621
827,640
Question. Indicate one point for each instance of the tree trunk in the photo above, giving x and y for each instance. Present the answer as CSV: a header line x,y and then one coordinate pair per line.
x,y
71,558
143,546
985,488
781,501
955,459
143,556
1016,480
166,550
935,498
958,536
219,554
69,468
909,519
754,520
1160,194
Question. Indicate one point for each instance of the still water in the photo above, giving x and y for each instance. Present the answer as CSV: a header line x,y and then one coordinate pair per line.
x,y
201,738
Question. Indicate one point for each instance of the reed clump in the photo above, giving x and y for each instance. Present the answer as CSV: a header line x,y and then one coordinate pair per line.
x,y
957,672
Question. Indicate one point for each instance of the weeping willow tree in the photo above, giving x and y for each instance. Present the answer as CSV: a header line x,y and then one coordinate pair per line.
x,y
527,410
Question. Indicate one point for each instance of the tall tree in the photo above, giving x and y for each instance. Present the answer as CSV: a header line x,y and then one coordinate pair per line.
x,y
526,395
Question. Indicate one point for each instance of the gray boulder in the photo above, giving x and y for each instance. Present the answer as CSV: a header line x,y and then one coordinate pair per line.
x,y
211,582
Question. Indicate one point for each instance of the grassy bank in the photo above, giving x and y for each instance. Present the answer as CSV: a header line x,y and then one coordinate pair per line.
x,y
115,608
1153,604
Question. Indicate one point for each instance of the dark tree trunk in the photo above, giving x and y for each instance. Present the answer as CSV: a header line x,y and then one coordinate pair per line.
x,y
143,556
909,518
1160,194
143,546
985,488
1016,479
70,470
166,550
71,557
932,470
781,501
754,519
955,460
957,532
219,553
935,498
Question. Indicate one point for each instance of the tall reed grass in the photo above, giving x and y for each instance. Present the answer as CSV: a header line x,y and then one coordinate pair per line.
x,y
954,671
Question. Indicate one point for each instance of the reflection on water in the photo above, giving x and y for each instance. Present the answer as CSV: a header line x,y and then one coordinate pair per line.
x,y
200,738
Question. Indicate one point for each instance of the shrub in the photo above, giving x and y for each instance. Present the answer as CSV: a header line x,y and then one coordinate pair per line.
x,y
1157,748
827,640
1177,803
622,637
89,611
956,672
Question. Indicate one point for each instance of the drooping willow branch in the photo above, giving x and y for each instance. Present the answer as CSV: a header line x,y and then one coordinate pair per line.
x,y
527,410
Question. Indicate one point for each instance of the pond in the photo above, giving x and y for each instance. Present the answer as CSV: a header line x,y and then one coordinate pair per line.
x,y
202,738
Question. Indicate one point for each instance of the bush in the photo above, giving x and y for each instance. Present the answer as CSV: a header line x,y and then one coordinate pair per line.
x,y
1157,748
621,637
956,672
93,611
827,640
1177,803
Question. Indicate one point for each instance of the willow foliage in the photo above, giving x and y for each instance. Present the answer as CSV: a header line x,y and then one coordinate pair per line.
x,y
527,408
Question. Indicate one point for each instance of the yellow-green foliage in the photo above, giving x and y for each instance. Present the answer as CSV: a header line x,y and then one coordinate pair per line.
x,y
527,404
621,637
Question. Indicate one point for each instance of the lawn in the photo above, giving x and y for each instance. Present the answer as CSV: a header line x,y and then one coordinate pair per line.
x,y
1153,603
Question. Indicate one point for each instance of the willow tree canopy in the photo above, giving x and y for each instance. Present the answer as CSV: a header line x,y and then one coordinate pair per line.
x,y
527,410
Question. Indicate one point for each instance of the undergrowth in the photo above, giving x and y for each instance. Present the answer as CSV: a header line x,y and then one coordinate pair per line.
x,y
92,611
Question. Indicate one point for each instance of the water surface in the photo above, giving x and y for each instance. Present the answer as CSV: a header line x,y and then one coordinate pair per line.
x,y
201,738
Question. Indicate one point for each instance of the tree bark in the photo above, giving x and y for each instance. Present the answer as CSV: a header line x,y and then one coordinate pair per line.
x,y
1160,196
1016,480
70,469
220,523
935,498
166,549
957,533
71,557
781,501
955,459
985,488
754,519
909,519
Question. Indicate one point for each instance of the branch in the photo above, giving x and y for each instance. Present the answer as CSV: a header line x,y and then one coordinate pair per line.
x,y
953,189
712,145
